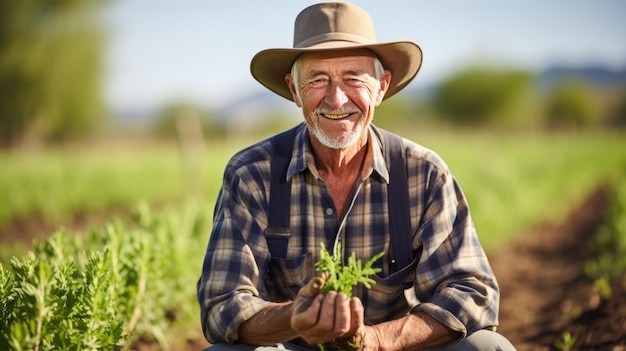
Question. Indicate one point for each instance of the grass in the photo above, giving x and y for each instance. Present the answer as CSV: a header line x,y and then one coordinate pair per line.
x,y
57,184
512,181
516,181
608,266
108,286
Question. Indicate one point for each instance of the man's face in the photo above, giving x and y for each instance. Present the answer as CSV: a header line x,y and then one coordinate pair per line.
x,y
338,92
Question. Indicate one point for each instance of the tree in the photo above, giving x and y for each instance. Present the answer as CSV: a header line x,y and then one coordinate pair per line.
x,y
618,113
395,113
479,96
50,69
572,105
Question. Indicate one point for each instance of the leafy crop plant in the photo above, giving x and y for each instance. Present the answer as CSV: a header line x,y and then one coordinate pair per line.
x,y
343,278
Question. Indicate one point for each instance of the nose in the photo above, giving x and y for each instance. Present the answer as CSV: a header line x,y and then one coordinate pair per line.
x,y
335,95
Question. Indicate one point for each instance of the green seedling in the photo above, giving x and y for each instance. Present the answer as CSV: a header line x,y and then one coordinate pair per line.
x,y
343,278
566,342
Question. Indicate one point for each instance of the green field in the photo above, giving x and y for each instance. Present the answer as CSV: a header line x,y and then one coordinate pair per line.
x,y
57,184
515,181
512,181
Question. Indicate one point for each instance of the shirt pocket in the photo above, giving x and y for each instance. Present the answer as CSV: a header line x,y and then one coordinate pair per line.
x,y
287,276
385,300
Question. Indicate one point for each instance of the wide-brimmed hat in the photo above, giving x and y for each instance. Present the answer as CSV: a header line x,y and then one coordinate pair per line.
x,y
334,26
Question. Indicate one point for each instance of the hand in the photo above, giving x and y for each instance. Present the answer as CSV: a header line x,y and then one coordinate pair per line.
x,y
307,294
360,337
319,318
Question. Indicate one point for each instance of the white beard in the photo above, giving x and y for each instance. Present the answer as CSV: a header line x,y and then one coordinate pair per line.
x,y
339,143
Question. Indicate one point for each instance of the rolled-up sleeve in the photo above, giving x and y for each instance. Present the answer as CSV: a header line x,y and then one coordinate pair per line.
x,y
454,282
231,288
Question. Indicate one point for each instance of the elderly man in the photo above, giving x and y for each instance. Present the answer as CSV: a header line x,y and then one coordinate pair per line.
x,y
339,181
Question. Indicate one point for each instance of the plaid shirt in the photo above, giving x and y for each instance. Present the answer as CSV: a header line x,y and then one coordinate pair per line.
x,y
450,279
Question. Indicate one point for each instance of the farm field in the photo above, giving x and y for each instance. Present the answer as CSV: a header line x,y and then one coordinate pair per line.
x,y
510,180
517,185
547,294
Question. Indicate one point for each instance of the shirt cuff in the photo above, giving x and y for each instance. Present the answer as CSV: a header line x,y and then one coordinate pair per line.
x,y
442,316
224,320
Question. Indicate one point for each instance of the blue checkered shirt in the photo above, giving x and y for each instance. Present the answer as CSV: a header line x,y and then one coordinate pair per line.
x,y
450,278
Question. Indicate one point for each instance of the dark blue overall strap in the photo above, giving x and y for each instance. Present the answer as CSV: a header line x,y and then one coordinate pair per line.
x,y
278,232
398,202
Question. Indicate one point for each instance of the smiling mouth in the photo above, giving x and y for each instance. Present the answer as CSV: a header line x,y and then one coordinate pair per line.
x,y
335,117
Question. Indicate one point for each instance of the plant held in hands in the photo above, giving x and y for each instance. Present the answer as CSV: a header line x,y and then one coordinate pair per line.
x,y
342,278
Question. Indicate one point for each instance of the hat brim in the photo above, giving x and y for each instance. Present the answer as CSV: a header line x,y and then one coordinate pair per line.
x,y
402,58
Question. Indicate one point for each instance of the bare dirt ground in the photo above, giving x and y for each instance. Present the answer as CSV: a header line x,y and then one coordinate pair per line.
x,y
545,291
544,288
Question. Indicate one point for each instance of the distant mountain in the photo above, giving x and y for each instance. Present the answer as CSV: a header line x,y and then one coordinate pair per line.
x,y
598,76
252,108
249,109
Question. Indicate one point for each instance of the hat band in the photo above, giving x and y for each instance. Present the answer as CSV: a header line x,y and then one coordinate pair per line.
x,y
333,37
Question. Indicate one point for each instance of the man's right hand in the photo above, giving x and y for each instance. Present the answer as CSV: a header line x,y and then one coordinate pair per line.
x,y
319,318
308,293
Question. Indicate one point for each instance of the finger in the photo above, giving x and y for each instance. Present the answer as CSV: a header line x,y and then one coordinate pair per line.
x,y
316,330
334,319
307,293
327,312
313,287
357,314
301,304
343,315
305,317
335,315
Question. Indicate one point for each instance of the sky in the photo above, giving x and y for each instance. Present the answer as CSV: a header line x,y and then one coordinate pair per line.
x,y
199,51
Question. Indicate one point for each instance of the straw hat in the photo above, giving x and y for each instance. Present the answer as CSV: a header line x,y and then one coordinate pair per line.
x,y
332,26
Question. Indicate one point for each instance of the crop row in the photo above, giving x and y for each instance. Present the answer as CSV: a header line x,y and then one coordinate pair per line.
x,y
106,288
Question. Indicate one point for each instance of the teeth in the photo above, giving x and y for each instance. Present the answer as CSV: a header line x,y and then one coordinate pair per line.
x,y
336,116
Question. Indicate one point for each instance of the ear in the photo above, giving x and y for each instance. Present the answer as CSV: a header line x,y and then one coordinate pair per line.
x,y
384,85
292,88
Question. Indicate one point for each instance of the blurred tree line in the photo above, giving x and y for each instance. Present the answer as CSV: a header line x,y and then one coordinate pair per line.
x,y
51,66
497,98
51,70
475,98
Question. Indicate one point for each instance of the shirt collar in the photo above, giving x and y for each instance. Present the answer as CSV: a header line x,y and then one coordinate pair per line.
x,y
302,156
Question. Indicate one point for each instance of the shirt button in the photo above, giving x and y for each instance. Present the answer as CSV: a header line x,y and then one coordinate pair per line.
x,y
329,211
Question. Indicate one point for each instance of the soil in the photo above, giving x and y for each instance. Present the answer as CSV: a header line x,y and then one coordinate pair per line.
x,y
544,289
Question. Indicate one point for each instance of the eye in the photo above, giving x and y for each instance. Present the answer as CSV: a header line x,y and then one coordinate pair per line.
x,y
353,82
318,83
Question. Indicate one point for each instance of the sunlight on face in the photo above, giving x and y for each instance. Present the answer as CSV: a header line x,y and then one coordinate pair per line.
x,y
338,92
338,142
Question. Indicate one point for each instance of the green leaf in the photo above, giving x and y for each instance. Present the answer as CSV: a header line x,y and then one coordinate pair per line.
x,y
342,278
